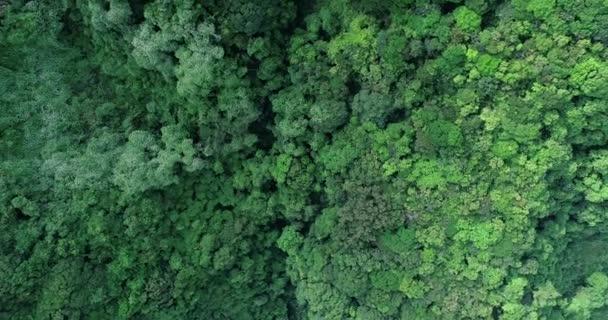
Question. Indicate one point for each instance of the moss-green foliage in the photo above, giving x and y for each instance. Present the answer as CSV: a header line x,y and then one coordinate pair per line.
x,y
271,159
466,19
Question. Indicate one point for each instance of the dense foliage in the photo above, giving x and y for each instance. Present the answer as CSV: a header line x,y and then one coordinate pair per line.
x,y
290,159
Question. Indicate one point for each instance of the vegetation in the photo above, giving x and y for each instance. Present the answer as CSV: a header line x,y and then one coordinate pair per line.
x,y
288,159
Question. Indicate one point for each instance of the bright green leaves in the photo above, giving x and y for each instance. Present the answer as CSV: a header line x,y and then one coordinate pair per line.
x,y
430,173
487,64
466,19
392,142
356,46
503,199
505,149
359,33
346,147
420,26
539,8
408,163
338,158
596,187
546,295
279,172
514,290
413,289
512,294
290,240
389,145
482,234
590,297
325,301
493,277
521,132
590,76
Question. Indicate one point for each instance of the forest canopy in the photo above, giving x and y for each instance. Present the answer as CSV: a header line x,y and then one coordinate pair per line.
x,y
292,159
